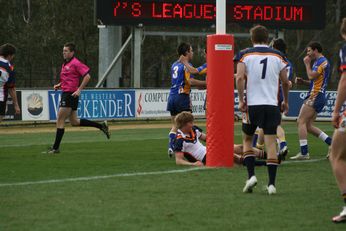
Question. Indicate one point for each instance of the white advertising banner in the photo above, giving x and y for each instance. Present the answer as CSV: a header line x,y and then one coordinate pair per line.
x,y
35,105
153,103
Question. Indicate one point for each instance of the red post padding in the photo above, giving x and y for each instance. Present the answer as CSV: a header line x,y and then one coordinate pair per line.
x,y
220,101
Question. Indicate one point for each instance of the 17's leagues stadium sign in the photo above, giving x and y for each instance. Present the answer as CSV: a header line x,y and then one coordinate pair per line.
x,y
98,104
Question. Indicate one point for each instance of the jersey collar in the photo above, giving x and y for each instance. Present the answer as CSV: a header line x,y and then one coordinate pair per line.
x,y
4,60
260,45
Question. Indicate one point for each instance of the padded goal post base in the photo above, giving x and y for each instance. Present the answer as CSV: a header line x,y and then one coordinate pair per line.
x,y
220,100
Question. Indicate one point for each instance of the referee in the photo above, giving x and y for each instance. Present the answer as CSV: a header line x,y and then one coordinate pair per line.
x,y
72,70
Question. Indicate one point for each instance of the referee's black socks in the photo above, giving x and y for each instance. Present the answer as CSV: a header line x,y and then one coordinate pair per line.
x,y
59,134
89,123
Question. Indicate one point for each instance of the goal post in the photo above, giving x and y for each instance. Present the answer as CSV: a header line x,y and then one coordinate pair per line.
x,y
220,93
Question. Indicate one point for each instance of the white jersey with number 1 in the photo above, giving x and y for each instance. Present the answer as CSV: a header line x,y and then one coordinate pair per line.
x,y
263,66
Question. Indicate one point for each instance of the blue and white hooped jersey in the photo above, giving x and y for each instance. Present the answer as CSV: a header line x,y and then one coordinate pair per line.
x,y
7,79
180,83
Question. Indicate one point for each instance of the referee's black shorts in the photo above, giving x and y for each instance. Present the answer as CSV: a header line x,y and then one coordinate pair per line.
x,y
67,100
267,117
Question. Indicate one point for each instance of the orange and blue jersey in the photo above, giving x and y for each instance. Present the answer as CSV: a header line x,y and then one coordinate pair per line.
x,y
318,85
202,70
180,83
342,54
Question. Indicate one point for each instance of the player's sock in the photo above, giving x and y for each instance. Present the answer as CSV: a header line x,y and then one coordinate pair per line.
x,y
172,136
254,140
272,165
323,136
89,123
249,161
344,196
304,147
283,144
59,134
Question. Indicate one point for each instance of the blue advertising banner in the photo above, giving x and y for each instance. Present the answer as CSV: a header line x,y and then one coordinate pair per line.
x,y
296,100
98,104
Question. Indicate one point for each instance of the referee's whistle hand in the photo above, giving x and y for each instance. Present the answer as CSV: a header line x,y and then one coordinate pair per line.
x,y
76,94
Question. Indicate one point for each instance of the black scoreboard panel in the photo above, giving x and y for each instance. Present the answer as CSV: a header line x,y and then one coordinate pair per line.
x,y
291,14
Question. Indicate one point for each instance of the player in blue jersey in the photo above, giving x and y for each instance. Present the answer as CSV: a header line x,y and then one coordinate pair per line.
x,y
181,83
318,76
7,79
338,148
280,45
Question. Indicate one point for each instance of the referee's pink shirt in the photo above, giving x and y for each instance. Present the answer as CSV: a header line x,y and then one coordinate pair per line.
x,y
70,74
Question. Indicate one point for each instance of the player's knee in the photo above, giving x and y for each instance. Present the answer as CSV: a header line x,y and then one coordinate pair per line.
x,y
74,122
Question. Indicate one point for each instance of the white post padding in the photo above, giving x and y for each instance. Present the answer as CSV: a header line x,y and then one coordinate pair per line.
x,y
220,16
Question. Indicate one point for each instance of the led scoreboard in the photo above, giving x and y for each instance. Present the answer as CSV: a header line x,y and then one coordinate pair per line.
x,y
294,14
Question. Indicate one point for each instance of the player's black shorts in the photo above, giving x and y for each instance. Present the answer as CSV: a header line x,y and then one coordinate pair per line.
x,y
67,100
266,117
2,108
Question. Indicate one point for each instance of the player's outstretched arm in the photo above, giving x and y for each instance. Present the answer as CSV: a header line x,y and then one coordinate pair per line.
x,y
240,82
203,137
189,67
84,83
198,83
180,160
340,99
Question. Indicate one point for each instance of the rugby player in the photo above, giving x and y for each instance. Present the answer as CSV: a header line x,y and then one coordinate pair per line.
x,y
179,96
190,151
71,72
314,102
338,149
280,45
259,71
7,79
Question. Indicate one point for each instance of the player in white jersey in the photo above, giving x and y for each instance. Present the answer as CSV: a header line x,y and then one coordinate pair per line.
x,y
259,71
190,151
338,149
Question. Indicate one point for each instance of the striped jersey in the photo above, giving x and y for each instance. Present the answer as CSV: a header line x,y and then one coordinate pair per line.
x,y
319,84
180,83
202,70
189,143
263,66
7,78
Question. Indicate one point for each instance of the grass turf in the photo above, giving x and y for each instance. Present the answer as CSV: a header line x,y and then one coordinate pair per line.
x,y
208,199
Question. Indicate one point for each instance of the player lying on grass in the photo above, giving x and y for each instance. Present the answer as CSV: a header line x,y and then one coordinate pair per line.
x,y
72,70
338,148
7,79
181,83
190,151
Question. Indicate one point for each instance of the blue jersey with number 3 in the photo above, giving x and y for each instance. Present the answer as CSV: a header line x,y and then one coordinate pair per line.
x,y
180,83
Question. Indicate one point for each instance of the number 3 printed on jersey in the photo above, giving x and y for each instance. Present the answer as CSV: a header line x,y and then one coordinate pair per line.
x,y
175,72
264,70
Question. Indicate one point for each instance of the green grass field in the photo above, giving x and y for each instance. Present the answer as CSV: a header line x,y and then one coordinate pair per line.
x,y
204,199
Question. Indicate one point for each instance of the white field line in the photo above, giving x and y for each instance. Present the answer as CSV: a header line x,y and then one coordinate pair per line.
x,y
90,178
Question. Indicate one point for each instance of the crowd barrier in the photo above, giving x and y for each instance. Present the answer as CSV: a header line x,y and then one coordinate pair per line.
x,y
42,105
